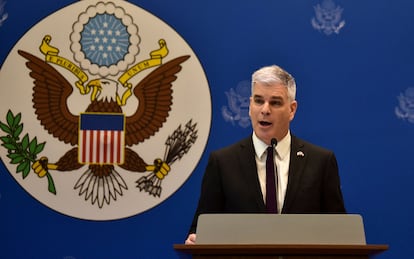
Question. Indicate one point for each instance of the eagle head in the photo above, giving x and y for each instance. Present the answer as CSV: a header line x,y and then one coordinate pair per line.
x,y
103,89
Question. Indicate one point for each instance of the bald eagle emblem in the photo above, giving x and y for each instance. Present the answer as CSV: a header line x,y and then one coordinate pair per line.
x,y
328,17
238,105
100,183
105,116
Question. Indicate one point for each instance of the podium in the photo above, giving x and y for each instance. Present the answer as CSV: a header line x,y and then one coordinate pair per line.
x,y
280,236
247,251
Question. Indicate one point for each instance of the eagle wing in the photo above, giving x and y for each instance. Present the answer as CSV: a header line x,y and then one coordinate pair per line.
x,y
154,94
50,92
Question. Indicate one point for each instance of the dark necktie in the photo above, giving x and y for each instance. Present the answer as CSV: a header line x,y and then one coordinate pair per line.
x,y
271,204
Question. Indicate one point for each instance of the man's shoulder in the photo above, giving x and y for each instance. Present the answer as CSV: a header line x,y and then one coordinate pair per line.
x,y
245,143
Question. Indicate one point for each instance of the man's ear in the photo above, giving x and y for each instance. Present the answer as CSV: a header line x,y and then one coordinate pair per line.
x,y
293,109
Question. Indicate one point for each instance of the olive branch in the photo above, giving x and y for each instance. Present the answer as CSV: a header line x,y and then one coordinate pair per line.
x,y
22,152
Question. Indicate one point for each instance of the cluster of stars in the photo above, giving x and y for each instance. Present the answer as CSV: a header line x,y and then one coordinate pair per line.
x,y
104,43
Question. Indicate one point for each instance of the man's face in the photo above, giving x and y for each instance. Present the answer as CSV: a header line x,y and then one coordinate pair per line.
x,y
271,111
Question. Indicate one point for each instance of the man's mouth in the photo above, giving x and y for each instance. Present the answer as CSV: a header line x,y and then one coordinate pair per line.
x,y
265,123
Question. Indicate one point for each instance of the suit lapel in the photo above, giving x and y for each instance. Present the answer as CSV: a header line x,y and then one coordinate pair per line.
x,y
249,170
296,169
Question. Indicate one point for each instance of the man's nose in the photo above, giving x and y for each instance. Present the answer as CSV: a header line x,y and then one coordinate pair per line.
x,y
266,108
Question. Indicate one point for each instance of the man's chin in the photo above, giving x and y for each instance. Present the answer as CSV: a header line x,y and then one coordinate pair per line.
x,y
264,136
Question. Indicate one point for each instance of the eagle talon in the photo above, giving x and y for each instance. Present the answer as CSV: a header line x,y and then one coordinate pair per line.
x,y
160,168
41,167
152,182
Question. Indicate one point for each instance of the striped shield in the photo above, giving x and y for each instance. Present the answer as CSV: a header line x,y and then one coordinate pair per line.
x,y
101,138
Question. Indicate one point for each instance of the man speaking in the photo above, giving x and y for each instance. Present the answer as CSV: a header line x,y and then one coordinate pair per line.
x,y
271,171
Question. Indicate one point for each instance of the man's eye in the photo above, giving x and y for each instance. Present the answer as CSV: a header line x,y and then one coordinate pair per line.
x,y
258,101
275,103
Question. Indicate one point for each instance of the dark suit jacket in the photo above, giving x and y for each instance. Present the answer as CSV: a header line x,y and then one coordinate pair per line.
x,y
231,184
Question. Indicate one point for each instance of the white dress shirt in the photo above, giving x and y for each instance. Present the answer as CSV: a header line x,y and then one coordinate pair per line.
x,y
282,158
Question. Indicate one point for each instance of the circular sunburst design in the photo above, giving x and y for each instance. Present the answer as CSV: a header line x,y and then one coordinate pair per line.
x,y
104,39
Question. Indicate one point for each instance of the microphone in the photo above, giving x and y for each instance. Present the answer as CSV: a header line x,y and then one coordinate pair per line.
x,y
273,142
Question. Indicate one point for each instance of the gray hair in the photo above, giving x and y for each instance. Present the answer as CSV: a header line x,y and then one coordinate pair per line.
x,y
275,74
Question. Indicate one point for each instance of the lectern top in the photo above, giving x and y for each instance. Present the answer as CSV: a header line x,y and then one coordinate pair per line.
x,y
343,229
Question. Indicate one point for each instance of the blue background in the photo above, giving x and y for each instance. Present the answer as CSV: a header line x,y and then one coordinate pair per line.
x,y
348,85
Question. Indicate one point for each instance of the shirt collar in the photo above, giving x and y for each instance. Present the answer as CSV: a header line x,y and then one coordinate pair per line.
x,y
282,147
